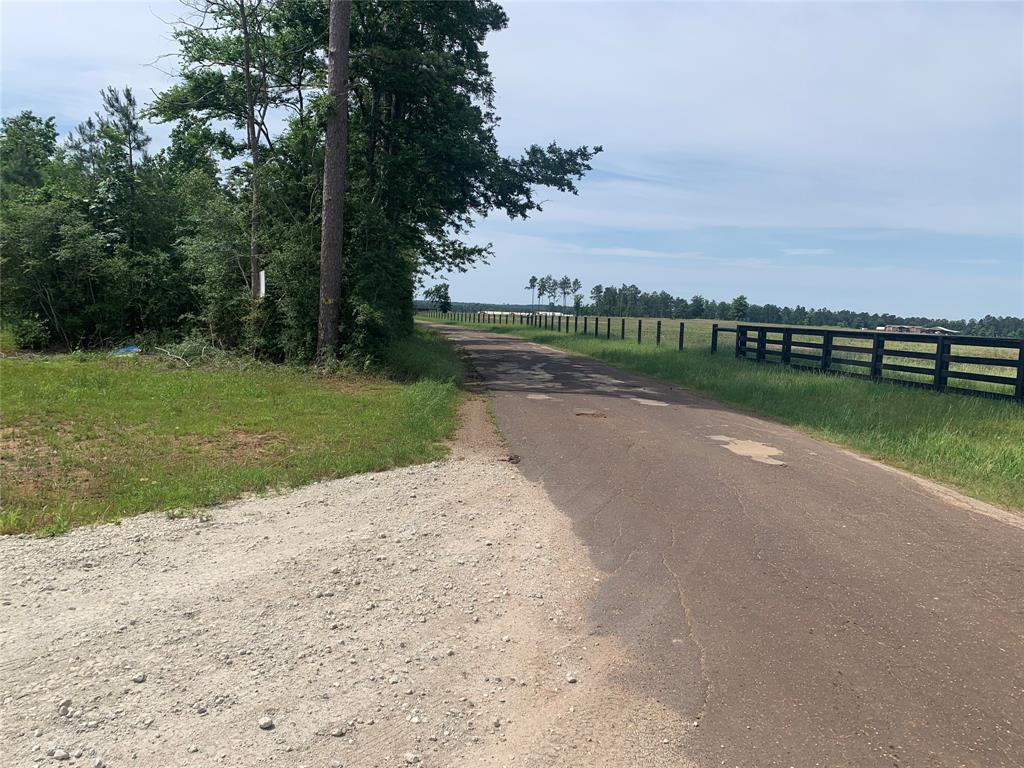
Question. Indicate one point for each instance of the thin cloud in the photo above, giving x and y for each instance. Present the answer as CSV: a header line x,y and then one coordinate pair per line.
x,y
642,253
807,251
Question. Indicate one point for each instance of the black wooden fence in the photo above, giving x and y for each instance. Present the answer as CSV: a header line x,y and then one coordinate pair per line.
x,y
912,359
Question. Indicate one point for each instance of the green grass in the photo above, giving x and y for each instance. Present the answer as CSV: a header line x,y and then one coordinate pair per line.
x,y
90,438
971,443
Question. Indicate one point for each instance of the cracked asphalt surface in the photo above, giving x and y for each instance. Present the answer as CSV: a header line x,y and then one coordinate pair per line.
x,y
798,604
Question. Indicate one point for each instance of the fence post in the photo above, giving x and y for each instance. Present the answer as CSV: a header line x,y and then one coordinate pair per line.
x,y
1018,390
877,352
657,334
741,341
826,350
585,324
681,324
576,324
941,363
622,329
787,346
639,329
607,328
714,337
762,343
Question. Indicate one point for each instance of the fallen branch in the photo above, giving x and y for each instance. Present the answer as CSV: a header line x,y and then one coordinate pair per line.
x,y
171,354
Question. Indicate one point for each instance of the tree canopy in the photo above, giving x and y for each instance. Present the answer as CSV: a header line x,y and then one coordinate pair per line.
x,y
173,242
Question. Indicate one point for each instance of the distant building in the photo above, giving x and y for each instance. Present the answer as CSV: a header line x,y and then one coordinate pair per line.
x,y
936,330
500,313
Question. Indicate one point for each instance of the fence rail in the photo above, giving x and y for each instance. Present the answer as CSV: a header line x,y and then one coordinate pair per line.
x,y
972,365
941,363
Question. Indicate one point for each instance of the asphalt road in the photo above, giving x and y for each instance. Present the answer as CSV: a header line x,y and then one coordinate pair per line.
x,y
800,605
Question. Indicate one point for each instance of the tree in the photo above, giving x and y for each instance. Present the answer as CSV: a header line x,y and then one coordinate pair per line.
x,y
226,76
122,123
564,288
27,145
543,287
88,231
596,294
577,297
531,286
332,226
739,308
698,306
553,290
440,297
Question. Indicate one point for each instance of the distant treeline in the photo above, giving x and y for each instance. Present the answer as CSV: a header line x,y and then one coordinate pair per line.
x,y
630,301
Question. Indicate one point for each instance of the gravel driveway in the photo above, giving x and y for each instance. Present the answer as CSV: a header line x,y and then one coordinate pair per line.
x,y
432,615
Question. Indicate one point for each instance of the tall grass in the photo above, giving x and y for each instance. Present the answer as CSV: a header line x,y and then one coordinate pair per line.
x,y
974,444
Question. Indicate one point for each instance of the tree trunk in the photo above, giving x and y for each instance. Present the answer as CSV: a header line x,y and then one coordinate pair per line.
x,y
332,225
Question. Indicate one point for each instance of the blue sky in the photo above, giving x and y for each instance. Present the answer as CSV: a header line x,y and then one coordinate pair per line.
x,y
866,156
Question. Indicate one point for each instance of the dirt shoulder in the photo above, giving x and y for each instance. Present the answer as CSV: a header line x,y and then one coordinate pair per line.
x,y
432,615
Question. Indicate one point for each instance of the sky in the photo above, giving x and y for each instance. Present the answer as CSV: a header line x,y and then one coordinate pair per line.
x,y
867,156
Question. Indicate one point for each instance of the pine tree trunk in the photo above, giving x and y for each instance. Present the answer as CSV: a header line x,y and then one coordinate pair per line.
x,y
332,225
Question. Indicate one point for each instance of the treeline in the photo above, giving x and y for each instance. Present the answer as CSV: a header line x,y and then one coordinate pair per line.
x,y
103,241
630,301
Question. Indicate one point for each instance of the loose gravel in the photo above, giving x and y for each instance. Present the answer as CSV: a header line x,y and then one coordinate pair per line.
x,y
432,615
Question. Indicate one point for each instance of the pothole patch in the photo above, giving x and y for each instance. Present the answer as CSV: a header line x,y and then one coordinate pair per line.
x,y
751,449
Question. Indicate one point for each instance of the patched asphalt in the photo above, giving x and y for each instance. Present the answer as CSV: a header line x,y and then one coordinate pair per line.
x,y
801,606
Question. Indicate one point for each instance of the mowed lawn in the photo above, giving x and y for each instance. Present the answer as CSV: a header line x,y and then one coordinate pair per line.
x,y
970,443
89,438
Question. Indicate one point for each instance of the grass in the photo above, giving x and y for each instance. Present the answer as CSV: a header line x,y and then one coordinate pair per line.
x,y
974,444
92,438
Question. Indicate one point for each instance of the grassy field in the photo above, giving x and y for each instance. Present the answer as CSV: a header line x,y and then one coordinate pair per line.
x,y
88,438
974,444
